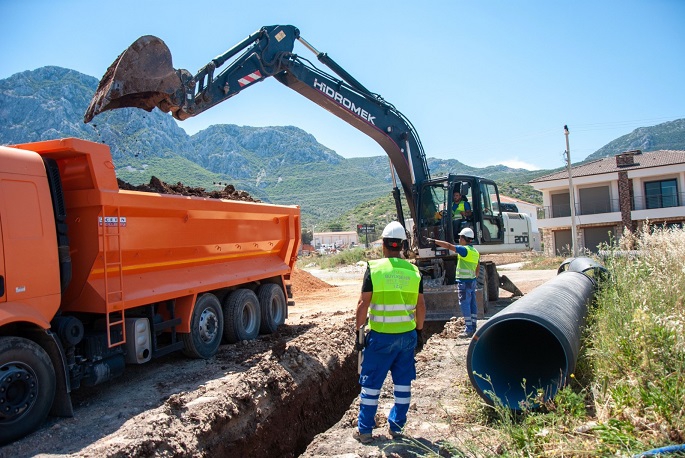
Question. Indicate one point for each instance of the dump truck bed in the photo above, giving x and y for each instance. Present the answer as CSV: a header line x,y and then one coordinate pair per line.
x,y
131,248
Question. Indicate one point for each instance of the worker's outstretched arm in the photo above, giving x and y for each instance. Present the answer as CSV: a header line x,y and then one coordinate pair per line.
x,y
443,244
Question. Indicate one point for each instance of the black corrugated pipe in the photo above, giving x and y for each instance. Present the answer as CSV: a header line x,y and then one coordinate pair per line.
x,y
536,339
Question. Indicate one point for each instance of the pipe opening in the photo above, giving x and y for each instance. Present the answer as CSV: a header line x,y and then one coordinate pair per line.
x,y
512,351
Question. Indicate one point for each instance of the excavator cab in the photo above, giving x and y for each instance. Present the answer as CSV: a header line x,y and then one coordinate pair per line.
x,y
143,76
461,222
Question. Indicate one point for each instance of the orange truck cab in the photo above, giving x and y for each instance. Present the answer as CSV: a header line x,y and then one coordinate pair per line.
x,y
93,278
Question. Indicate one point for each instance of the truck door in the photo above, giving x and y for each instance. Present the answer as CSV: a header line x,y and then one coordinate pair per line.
x,y
492,224
30,267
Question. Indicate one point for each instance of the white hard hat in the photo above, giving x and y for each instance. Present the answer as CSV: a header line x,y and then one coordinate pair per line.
x,y
394,230
467,232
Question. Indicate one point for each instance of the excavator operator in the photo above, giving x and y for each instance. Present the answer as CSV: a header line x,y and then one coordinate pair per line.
x,y
461,212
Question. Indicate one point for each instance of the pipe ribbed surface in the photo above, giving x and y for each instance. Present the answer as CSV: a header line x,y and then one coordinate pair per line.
x,y
537,338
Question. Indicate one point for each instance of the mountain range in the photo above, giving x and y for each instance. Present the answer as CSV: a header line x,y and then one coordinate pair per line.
x,y
279,164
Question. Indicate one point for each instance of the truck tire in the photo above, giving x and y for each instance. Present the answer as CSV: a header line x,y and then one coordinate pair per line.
x,y
273,306
493,281
242,316
482,280
27,387
206,328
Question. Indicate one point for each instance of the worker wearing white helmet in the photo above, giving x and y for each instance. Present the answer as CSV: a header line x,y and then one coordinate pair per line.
x,y
467,273
392,298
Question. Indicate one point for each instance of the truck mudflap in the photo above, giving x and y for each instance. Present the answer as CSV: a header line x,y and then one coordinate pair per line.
x,y
61,405
142,77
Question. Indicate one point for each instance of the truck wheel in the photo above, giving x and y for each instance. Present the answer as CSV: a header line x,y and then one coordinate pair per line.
x,y
27,387
482,280
241,313
273,306
493,282
206,328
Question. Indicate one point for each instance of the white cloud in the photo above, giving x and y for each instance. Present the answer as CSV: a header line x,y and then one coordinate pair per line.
x,y
517,164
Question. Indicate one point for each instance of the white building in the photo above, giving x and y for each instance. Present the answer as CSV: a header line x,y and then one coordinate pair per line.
x,y
612,193
334,239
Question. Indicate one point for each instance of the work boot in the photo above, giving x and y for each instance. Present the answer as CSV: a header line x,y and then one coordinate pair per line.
x,y
396,434
364,438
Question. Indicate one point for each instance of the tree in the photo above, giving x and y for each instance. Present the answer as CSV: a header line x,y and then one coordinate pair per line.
x,y
307,236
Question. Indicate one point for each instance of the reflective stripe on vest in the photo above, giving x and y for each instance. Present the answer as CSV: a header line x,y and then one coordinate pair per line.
x,y
395,292
466,266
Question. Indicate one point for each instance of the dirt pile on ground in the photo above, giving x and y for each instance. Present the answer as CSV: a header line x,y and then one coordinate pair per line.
x,y
303,282
156,185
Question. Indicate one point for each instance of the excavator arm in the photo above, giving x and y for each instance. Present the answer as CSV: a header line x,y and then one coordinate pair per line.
x,y
143,77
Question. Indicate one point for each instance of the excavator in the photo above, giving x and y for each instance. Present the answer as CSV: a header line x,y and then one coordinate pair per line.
x,y
143,77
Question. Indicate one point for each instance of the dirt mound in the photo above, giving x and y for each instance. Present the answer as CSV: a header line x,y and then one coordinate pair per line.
x,y
304,282
156,185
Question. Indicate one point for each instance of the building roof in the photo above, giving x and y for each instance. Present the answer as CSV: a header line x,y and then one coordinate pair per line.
x,y
608,165
514,200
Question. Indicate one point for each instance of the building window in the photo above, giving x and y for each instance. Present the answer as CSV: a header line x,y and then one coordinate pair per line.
x,y
661,194
594,200
561,205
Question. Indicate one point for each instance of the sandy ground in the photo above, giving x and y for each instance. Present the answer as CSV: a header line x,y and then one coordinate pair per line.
x,y
273,396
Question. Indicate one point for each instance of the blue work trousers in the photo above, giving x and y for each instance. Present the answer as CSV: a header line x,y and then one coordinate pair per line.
x,y
383,353
467,303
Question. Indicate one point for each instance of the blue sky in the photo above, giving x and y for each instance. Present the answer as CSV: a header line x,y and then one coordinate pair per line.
x,y
484,82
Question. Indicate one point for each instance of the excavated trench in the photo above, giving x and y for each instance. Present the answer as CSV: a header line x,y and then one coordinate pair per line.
x,y
308,409
311,408
263,398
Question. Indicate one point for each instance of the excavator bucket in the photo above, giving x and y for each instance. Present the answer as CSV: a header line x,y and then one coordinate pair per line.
x,y
142,77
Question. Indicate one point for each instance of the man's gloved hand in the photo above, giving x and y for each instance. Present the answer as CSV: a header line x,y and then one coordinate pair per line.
x,y
360,341
419,339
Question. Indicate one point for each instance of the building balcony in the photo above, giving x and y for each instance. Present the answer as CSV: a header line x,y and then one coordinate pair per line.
x,y
659,207
653,207
582,208
659,201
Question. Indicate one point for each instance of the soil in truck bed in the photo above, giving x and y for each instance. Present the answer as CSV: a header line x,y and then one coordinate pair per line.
x,y
229,192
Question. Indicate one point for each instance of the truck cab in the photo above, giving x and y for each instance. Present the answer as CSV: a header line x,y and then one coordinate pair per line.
x,y
29,267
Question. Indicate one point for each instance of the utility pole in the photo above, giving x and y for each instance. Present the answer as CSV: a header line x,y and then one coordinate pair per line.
x,y
572,197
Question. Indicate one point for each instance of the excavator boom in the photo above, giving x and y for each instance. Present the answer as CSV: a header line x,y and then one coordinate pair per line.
x,y
143,76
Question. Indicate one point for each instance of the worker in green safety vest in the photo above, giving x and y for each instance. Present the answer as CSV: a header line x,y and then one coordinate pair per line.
x,y
461,212
468,260
392,301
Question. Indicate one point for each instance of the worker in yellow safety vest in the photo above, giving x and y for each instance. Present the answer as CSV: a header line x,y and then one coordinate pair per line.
x,y
392,301
468,260
461,212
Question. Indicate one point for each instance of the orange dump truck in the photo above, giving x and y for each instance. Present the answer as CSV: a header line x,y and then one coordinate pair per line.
x,y
93,277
